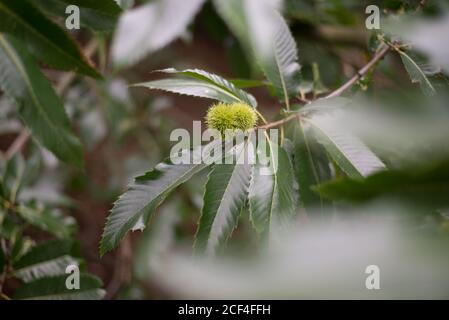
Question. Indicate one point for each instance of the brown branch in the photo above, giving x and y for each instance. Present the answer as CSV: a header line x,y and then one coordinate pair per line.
x,y
377,57
62,85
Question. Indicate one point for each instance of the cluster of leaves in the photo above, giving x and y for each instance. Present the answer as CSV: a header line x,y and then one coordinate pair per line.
x,y
319,161
314,149
32,33
41,267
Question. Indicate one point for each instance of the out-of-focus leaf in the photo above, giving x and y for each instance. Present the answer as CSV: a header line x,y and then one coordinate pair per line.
x,y
425,185
38,104
47,41
233,13
311,166
225,195
271,199
202,84
417,73
133,209
426,36
47,220
150,27
21,245
54,288
349,152
13,176
2,260
46,259
258,25
99,15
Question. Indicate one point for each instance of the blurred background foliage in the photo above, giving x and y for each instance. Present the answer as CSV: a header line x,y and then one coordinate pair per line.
x,y
125,131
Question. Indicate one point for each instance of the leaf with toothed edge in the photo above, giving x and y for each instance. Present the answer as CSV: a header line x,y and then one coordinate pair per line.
x,y
259,26
225,195
348,151
271,200
201,84
133,208
49,258
43,38
37,102
55,288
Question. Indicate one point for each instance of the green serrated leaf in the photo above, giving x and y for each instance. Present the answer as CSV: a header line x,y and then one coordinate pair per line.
x,y
13,177
201,84
311,166
427,185
417,73
99,15
225,195
49,258
38,104
46,40
150,27
54,288
258,25
271,197
47,220
133,209
349,152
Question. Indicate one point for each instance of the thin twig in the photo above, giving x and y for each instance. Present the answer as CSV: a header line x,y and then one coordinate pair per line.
x,y
62,85
378,56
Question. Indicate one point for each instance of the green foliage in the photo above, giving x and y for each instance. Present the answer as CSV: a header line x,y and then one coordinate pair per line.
x,y
54,288
271,193
46,40
39,106
423,185
225,194
97,15
327,158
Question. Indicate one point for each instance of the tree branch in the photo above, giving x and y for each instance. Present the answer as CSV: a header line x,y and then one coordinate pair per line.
x,y
383,50
377,57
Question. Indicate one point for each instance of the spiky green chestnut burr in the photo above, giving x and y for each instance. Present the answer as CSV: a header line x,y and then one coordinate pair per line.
x,y
222,116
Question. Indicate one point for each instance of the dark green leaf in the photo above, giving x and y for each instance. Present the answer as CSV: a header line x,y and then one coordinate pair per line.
x,y
46,259
349,152
225,195
39,106
48,42
133,209
419,185
99,15
311,166
271,196
13,176
48,220
54,288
